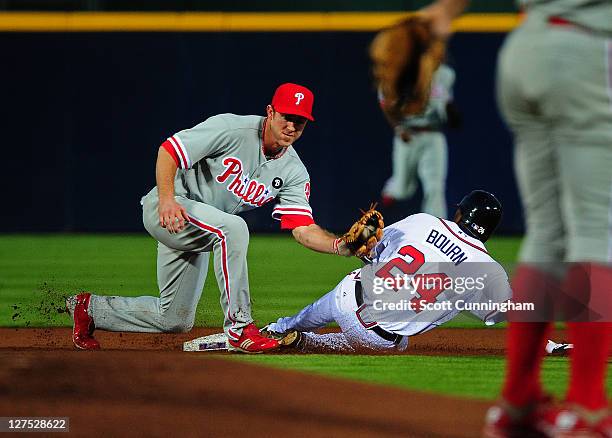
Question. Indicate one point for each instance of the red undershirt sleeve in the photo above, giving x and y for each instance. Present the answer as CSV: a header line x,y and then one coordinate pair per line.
x,y
291,221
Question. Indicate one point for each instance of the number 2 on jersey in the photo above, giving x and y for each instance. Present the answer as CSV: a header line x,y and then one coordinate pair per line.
x,y
428,286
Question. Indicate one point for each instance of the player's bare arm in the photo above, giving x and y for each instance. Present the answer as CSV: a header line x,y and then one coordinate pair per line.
x,y
442,13
316,238
172,215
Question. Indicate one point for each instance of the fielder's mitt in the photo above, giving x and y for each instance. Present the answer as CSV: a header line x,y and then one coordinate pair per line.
x,y
365,233
404,58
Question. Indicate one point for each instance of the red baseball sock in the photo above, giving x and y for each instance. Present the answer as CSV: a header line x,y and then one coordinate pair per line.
x,y
525,344
589,360
526,340
591,340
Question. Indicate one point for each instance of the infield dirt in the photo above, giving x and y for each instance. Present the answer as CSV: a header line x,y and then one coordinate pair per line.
x,y
144,385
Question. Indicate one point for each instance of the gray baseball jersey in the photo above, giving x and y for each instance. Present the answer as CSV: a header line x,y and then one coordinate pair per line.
x,y
592,14
222,170
221,163
425,155
434,115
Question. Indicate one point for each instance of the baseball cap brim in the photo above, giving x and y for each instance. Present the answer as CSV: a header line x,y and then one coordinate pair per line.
x,y
292,110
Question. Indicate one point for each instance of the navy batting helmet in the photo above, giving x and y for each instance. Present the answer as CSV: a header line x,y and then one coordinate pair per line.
x,y
480,214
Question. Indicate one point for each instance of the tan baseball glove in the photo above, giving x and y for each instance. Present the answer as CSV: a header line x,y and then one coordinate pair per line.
x,y
404,59
365,233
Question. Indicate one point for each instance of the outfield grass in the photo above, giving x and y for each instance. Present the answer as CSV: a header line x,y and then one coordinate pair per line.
x,y
37,270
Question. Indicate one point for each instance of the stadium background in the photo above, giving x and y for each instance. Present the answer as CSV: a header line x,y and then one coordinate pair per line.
x,y
91,87
91,90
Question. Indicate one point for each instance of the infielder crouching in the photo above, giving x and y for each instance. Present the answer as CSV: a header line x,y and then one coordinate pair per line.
x,y
205,176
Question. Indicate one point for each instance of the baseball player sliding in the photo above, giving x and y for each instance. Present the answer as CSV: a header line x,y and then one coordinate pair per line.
x,y
205,176
426,248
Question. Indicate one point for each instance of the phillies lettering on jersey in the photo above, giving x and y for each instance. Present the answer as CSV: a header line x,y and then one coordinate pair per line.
x,y
222,163
250,191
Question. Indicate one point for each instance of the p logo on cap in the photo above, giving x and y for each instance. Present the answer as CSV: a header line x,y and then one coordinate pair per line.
x,y
293,99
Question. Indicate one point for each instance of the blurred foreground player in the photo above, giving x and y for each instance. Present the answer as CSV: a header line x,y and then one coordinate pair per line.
x,y
554,90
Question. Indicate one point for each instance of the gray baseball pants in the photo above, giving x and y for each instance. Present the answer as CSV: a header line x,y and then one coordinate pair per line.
x,y
182,265
425,156
555,92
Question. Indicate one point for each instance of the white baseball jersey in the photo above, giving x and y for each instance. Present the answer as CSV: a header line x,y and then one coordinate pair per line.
x,y
427,247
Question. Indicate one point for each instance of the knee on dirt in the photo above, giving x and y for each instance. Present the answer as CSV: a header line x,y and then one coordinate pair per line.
x,y
174,325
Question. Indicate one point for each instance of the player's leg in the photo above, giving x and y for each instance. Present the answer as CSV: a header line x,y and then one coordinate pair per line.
x,y
526,340
181,277
361,339
337,305
314,316
228,237
541,249
230,243
182,264
585,137
354,336
325,343
402,183
520,87
352,341
432,169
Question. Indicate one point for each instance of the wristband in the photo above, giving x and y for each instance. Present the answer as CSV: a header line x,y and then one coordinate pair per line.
x,y
335,245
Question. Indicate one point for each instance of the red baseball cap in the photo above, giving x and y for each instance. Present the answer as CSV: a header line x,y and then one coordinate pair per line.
x,y
293,99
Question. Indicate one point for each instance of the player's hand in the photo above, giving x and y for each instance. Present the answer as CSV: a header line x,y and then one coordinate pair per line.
x,y
441,13
403,133
440,21
343,249
172,215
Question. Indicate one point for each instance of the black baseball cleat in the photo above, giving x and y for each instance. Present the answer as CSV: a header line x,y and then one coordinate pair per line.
x,y
292,338
269,333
